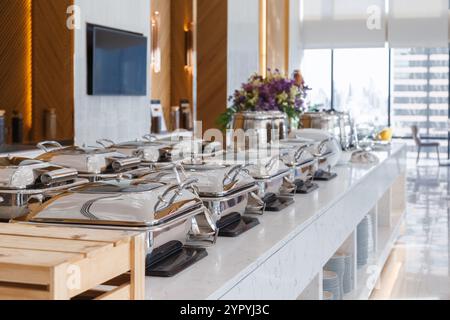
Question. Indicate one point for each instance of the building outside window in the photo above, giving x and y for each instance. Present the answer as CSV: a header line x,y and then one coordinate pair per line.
x,y
420,93
355,80
360,84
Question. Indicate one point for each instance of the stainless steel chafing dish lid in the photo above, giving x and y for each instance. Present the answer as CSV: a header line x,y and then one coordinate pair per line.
x,y
22,173
183,149
126,203
146,149
90,160
259,165
296,153
213,179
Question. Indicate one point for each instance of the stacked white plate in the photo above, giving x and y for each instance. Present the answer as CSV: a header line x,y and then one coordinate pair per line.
x,y
363,241
337,265
328,296
331,283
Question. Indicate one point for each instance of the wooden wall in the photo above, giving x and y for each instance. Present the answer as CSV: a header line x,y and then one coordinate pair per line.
x,y
174,82
15,59
181,77
278,35
160,84
36,64
52,67
212,28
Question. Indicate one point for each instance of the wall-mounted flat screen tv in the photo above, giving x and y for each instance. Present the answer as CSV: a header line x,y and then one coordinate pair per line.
x,y
117,62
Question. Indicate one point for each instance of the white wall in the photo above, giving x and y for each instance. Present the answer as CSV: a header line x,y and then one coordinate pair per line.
x,y
295,47
116,118
243,41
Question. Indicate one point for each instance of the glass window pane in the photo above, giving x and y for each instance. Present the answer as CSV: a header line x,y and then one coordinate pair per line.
x,y
361,84
316,69
420,84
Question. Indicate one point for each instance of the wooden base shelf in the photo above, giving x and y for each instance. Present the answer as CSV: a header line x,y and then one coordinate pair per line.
x,y
58,263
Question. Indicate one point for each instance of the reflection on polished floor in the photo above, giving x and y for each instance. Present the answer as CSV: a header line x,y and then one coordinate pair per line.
x,y
419,267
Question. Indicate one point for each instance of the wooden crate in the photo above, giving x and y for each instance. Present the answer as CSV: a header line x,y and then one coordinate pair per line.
x,y
62,263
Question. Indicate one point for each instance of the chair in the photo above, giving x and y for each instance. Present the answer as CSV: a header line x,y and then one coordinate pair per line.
x,y
421,145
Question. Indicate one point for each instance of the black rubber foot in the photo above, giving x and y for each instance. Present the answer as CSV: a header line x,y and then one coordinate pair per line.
x,y
306,188
172,258
276,203
324,176
238,227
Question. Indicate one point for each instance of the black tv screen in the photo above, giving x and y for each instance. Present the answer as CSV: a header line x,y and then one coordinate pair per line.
x,y
117,62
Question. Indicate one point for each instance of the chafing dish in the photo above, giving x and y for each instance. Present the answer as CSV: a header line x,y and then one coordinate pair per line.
x,y
298,157
339,124
178,148
272,177
148,151
167,213
25,181
325,147
267,126
91,163
224,189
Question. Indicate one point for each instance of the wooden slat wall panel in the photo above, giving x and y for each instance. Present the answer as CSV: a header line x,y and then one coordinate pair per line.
x,y
181,78
212,60
53,47
278,35
14,50
161,81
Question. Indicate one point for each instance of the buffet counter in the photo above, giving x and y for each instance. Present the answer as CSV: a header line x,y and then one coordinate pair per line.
x,y
283,257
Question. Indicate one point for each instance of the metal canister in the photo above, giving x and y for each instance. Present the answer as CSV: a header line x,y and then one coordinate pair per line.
x,y
186,115
50,130
17,127
175,118
156,124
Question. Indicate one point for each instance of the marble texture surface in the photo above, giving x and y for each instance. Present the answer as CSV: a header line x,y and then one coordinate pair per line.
x,y
279,258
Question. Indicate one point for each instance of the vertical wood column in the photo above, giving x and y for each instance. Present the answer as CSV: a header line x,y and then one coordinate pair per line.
x,y
160,85
278,35
15,59
53,77
212,31
181,75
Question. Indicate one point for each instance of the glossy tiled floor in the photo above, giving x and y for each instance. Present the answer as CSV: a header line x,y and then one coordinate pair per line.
x,y
419,267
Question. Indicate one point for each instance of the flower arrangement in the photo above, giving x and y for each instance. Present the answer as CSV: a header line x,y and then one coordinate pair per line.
x,y
275,92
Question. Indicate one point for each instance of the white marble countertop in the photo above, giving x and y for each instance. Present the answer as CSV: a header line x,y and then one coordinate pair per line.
x,y
233,259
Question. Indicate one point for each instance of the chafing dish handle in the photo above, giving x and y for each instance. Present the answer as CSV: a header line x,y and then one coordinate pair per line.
x,y
299,153
322,146
163,203
272,162
124,163
198,236
288,186
105,143
232,175
58,176
150,137
45,144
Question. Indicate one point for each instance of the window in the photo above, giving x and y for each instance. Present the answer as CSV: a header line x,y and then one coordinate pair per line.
x,y
419,88
420,92
361,84
316,69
